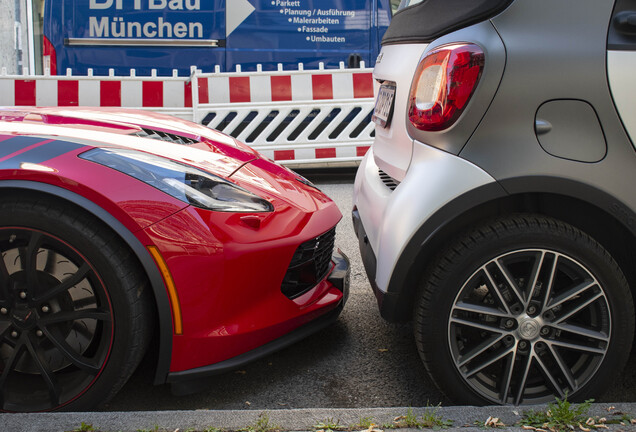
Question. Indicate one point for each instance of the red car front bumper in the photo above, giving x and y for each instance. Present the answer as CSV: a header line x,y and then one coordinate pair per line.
x,y
232,280
327,312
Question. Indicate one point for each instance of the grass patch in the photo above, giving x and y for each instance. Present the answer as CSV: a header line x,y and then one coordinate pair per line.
x,y
559,416
154,429
432,420
84,427
409,420
263,424
328,425
363,423
429,420
208,429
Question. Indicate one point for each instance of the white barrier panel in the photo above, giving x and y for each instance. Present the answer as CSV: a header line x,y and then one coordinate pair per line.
x,y
106,91
335,131
295,117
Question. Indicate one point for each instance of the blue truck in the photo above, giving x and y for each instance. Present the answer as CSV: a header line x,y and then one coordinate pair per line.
x,y
176,34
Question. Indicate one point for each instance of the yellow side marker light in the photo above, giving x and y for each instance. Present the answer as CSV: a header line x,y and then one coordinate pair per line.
x,y
172,291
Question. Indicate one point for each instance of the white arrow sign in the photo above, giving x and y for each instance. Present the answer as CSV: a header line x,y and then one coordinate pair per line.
x,y
236,11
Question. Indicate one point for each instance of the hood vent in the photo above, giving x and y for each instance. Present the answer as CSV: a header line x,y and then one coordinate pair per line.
x,y
164,136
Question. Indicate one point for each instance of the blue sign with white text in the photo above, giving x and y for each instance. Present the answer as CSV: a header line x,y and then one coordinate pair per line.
x,y
306,31
145,20
167,35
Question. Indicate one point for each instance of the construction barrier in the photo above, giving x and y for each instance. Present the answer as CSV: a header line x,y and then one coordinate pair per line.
x,y
296,117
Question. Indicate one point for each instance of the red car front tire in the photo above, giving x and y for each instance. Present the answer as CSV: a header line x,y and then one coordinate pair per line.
x,y
74,308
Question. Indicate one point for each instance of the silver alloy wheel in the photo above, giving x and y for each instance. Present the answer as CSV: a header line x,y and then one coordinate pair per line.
x,y
528,325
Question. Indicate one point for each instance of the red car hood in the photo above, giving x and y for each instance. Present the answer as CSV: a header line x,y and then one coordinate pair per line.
x,y
147,131
170,137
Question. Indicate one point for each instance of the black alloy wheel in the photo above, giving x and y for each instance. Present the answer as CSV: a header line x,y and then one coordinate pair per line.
x,y
67,325
522,310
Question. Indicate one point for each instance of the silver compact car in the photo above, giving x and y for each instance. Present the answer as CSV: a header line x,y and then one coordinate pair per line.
x,y
496,208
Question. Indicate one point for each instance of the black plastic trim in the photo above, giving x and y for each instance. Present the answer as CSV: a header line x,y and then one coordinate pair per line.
x,y
317,254
622,33
340,274
589,194
369,260
622,47
156,281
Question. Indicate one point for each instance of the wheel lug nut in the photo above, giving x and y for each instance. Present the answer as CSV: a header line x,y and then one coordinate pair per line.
x,y
4,311
45,309
23,294
14,334
523,345
545,331
532,310
39,333
509,323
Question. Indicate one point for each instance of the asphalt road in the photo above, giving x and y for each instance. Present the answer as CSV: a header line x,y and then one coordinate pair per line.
x,y
358,362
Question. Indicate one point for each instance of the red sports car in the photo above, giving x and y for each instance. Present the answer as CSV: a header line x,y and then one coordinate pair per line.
x,y
121,227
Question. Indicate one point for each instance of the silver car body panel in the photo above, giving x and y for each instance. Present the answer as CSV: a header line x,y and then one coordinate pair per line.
x,y
391,218
392,145
620,70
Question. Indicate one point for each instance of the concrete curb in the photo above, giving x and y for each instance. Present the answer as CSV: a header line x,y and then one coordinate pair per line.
x,y
464,418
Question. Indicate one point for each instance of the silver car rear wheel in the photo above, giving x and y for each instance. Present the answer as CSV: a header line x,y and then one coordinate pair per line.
x,y
529,324
522,309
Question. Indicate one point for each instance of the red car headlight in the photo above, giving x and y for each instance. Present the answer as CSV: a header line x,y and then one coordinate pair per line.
x,y
184,182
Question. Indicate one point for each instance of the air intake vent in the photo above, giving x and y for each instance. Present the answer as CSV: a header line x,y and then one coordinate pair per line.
x,y
164,136
387,180
309,265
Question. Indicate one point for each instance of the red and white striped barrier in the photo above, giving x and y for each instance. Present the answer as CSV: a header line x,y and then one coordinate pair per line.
x,y
106,92
277,88
166,92
308,93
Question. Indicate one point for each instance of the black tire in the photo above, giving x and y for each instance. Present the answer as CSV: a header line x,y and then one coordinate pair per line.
x,y
74,308
487,337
